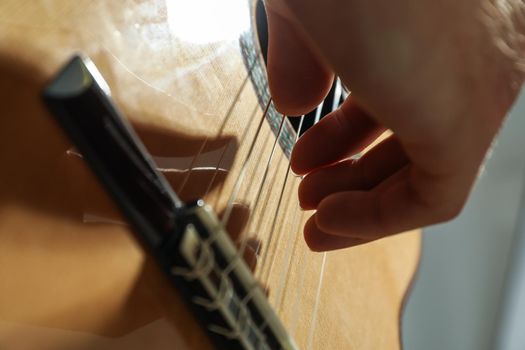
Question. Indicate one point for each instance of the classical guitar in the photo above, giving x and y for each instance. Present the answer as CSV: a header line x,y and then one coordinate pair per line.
x,y
146,199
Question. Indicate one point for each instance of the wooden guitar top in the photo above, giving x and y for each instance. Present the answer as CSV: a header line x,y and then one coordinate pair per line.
x,y
72,276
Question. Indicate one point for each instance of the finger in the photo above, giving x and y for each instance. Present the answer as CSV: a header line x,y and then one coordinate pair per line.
x,y
298,79
319,241
382,161
339,135
407,200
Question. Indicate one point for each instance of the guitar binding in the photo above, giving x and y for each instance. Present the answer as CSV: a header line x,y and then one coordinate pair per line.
x,y
187,241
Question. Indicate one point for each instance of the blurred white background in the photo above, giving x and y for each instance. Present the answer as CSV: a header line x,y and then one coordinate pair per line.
x,y
470,289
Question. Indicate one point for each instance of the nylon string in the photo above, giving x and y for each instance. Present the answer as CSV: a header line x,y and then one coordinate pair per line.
x,y
338,94
224,152
242,172
257,201
274,221
225,120
313,324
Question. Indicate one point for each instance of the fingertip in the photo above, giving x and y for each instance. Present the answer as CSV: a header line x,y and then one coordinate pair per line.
x,y
295,96
297,78
305,197
326,210
295,164
313,236
319,241
338,213
299,160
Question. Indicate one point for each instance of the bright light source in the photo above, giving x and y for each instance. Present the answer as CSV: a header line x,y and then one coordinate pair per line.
x,y
208,21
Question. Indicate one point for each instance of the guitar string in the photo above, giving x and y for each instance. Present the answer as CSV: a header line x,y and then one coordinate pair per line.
x,y
258,196
239,180
258,223
224,273
164,92
273,244
319,112
259,192
339,93
313,324
242,172
276,214
302,276
251,68
225,120
225,283
237,97
229,112
296,306
265,271
244,241
191,168
237,185
256,204
295,235
249,184
224,152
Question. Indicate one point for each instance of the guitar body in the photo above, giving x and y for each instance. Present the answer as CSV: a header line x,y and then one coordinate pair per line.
x,y
71,274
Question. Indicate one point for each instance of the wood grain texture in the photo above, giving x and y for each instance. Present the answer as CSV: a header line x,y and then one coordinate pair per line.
x,y
68,283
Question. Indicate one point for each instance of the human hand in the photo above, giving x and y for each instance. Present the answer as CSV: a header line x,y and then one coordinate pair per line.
x,y
439,74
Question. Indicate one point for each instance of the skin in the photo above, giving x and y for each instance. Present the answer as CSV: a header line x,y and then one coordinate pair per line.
x,y
440,75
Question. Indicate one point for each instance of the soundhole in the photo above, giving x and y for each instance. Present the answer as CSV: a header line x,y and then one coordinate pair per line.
x,y
332,100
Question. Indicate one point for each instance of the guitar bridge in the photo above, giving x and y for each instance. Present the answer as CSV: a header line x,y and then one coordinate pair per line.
x,y
227,285
188,242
